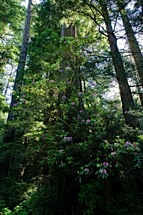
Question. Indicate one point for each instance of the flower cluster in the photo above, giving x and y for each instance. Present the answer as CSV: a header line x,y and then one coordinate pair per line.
x,y
86,171
79,93
113,153
52,81
73,103
92,85
67,139
127,143
68,68
84,121
103,171
63,97
105,164
61,151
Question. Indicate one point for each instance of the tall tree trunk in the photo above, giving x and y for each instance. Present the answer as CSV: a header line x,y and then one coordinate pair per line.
x,y
70,193
10,131
125,92
21,61
134,46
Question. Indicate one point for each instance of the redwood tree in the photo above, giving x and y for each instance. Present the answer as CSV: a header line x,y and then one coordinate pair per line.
x,y
133,43
22,60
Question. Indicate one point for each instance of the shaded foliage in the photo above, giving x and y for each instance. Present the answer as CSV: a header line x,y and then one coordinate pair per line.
x,y
72,152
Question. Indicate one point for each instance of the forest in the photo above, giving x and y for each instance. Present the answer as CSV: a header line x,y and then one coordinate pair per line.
x,y
71,104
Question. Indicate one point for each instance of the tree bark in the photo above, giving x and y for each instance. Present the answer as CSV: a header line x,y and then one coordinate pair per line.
x,y
134,46
21,61
10,130
125,92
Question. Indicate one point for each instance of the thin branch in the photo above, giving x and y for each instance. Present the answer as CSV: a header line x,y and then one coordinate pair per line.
x,y
94,19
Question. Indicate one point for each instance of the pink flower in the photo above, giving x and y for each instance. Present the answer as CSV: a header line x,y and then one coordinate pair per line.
x,y
79,93
67,139
86,170
61,150
88,120
63,97
14,105
52,81
103,171
81,111
127,143
113,153
55,95
105,163
93,84
68,68
73,103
